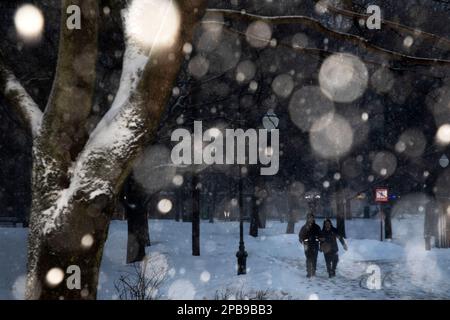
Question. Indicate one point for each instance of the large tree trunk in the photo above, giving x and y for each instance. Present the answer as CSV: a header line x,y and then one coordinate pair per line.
x,y
78,243
76,180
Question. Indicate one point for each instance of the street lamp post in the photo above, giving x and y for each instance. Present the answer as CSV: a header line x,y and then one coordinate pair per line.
x,y
241,255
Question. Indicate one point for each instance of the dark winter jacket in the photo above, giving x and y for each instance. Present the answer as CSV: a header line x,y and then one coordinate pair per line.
x,y
328,243
309,236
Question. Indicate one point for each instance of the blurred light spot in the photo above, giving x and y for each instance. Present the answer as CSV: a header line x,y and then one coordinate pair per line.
x,y
253,86
187,48
270,121
307,106
18,288
300,40
343,77
178,180
444,161
313,296
29,22
87,241
181,290
205,276
331,139
365,116
382,80
54,277
164,206
198,66
443,134
176,92
384,163
84,293
259,34
408,42
245,71
153,24
283,85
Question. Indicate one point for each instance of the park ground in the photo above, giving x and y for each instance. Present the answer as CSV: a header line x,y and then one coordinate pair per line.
x,y
275,265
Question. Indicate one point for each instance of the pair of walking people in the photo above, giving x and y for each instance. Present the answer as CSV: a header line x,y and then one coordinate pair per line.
x,y
325,240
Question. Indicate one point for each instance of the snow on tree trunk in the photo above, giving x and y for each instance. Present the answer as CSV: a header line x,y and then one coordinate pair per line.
x,y
76,177
20,100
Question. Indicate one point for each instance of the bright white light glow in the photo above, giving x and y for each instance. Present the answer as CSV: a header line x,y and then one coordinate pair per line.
x,y
87,241
55,276
165,205
153,24
443,134
178,180
29,22
343,77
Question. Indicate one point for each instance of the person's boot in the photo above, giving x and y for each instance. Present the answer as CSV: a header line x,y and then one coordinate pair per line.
x,y
309,269
329,270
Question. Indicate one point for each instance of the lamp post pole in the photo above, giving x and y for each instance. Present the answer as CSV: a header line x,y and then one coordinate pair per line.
x,y
241,255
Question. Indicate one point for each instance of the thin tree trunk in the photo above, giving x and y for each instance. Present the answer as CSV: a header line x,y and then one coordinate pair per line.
x,y
348,209
138,236
387,222
146,231
254,220
262,219
212,206
290,228
340,214
195,216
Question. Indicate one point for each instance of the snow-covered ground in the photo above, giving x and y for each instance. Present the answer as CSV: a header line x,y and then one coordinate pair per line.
x,y
276,263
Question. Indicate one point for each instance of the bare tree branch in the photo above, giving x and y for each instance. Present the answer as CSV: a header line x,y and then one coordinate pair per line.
x,y
394,25
311,22
19,99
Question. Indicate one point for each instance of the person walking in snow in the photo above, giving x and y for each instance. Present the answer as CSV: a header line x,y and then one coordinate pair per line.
x,y
329,246
309,237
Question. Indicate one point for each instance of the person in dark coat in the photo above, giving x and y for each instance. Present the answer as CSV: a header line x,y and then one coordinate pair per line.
x,y
329,246
309,237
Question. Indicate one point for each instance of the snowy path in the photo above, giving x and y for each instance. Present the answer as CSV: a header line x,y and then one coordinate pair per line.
x,y
276,263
